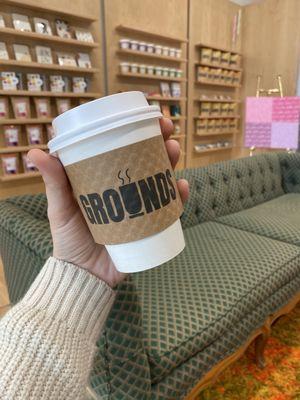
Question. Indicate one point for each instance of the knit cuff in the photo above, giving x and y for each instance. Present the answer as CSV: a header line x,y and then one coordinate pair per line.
x,y
71,294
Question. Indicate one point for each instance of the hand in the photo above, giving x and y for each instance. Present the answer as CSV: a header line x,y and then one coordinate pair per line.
x,y
72,240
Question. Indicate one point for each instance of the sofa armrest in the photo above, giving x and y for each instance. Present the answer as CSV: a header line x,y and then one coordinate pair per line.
x,y
121,366
35,205
25,244
290,170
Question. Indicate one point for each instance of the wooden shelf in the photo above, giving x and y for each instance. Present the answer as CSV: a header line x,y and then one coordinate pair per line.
x,y
177,137
46,38
14,121
182,117
50,10
219,117
50,67
24,175
163,98
231,85
141,32
18,149
48,94
218,66
213,134
217,101
218,48
151,55
213,150
152,77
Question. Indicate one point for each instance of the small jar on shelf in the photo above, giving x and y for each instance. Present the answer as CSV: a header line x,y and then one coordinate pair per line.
x,y
178,53
134,45
158,70
206,55
166,72
158,49
150,69
142,69
125,67
134,68
124,44
150,48
142,46
166,51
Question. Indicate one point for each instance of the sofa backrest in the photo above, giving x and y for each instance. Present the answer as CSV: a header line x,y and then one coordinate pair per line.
x,y
231,186
290,170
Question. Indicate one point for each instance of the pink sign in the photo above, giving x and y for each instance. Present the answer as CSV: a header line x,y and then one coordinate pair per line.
x,y
272,122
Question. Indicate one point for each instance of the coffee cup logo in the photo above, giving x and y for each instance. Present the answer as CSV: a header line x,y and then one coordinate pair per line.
x,y
130,200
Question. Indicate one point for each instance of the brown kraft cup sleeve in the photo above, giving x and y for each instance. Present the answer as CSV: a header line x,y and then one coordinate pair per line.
x,y
128,193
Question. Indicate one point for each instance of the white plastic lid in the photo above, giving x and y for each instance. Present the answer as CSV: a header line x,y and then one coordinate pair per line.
x,y
99,116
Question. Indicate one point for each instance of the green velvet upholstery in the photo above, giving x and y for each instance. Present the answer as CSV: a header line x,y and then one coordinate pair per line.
x,y
171,324
277,219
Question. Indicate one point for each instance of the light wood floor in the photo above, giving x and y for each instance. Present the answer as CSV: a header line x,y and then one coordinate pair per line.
x,y
4,299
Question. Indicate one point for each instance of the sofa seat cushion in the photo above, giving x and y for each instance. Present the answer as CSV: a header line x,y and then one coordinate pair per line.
x,y
277,219
189,302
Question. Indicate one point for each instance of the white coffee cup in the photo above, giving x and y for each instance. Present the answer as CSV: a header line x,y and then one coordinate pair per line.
x,y
104,125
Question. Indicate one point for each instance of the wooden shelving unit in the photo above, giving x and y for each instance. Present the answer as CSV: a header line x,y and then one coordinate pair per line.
x,y
211,81
23,175
146,34
151,55
51,39
152,77
14,121
166,99
19,149
48,94
79,14
213,150
229,85
48,67
151,83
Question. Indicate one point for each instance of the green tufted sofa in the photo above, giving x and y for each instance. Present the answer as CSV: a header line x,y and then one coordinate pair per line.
x,y
170,325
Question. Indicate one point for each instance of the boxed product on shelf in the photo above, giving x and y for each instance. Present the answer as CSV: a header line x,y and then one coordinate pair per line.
x,y
165,89
124,44
142,69
11,80
224,108
124,67
83,60
21,107
175,89
211,126
224,125
28,164
2,22
206,55
202,73
216,57
10,164
66,59
57,83
150,69
205,108
166,51
134,68
232,108
158,70
178,53
42,106
225,58
44,55
201,128
42,25
35,82
63,29
142,46
172,52
218,125
150,47
215,109
21,22
3,51
175,110
166,72
34,134
12,135
79,84
134,45
233,124
158,49
50,131
63,105
235,60
83,35
4,110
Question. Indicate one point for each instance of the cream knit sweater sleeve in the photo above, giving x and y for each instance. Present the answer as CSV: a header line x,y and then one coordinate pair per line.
x,y
48,340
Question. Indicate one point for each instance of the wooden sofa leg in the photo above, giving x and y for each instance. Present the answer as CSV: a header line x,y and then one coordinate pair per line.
x,y
260,344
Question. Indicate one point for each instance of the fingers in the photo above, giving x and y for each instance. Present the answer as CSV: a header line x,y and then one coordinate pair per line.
x,y
58,189
167,127
183,189
173,150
